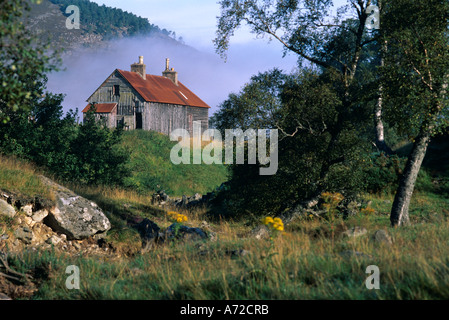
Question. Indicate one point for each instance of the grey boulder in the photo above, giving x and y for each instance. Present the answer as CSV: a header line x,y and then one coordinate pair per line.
x,y
176,231
6,209
75,216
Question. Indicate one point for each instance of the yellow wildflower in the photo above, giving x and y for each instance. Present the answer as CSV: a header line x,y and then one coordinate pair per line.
x,y
268,220
177,217
275,224
278,226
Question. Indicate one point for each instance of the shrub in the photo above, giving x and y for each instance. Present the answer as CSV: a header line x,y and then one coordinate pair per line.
x,y
383,172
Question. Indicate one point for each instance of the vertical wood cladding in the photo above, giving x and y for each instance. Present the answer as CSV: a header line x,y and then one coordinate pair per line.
x,y
165,118
160,117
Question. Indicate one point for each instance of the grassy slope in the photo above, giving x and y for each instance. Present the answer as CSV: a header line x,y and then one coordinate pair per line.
x,y
305,263
21,178
153,170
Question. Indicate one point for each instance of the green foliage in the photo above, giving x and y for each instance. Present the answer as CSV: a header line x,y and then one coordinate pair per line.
x,y
322,115
95,156
255,107
415,80
107,21
415,71
382,172
302,28
87,153
23,60
318,151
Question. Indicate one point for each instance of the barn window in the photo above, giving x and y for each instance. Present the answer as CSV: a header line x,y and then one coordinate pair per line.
x,y
116,90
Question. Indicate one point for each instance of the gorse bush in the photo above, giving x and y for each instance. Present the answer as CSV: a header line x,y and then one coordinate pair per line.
x,y
177,217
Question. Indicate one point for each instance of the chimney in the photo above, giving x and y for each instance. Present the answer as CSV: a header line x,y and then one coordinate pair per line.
x,y
140,68
170,73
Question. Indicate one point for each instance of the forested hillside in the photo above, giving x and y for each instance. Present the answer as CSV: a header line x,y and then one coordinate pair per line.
x,y
97,24
109,21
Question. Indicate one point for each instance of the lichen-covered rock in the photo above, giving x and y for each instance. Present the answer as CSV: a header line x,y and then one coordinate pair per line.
x,y
260,232
24,234
38,216
6,209
28,209
382,237
75,216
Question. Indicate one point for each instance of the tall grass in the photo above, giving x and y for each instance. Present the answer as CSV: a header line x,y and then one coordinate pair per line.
x,y
304,263
20,177
307,262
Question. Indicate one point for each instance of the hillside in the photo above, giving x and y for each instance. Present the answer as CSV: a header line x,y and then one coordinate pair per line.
x,y
152,170
97,24
309,260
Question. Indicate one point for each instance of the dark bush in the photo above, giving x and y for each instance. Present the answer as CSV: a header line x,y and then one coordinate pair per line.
x,y
382,173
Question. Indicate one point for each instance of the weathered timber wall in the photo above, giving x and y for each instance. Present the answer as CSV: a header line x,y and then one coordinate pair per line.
x,y
160,117
127,101
165,118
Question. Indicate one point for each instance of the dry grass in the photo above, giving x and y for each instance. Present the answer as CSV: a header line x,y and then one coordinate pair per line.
x,y
305,262
22,178
112,193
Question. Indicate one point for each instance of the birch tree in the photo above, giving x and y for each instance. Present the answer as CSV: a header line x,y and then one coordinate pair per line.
x,y
415,77
332,42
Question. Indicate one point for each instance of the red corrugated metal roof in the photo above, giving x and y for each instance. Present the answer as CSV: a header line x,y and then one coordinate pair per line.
x,y
102,107
162,90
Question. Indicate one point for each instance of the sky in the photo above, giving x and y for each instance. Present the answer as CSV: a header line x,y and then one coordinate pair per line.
x,y
194,20
199,68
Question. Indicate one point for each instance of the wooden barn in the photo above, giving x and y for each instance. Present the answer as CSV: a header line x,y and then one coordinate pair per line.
x,y
142,101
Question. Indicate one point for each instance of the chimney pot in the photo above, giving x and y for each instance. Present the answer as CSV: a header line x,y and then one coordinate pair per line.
x,y
140,68
170,73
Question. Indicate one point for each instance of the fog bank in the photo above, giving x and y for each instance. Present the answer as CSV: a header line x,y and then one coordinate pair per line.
x,y
205,73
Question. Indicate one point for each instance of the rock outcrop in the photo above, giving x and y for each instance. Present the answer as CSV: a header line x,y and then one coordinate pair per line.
x,y
149,233
355,232
6,209
382,237
75,216
161,199
68,221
